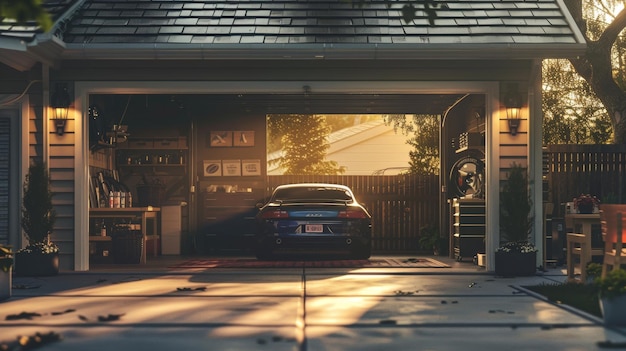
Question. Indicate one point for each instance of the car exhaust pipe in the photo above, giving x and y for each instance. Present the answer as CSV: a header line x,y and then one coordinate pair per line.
x,y
279,241
348,241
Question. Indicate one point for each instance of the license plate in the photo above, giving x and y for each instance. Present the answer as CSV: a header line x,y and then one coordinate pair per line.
x,y
314,228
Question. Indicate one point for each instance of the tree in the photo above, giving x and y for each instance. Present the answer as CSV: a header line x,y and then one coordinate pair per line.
x,y
424,131
24,11
304,140
572,114
38,215
596,66
515,206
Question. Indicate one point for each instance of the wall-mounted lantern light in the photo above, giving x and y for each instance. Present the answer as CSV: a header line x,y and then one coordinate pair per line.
x,y
513,103
60,103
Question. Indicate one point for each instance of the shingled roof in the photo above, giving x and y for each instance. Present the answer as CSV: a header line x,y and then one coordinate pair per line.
x,y
204,29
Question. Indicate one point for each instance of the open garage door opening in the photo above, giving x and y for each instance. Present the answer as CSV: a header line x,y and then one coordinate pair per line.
x,y
208,160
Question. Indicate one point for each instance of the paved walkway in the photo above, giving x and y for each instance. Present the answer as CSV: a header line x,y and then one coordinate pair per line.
x,y
154,307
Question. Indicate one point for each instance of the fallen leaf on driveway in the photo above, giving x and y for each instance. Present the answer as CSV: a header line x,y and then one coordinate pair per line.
x,y
201,288
22,315
109,318
64,312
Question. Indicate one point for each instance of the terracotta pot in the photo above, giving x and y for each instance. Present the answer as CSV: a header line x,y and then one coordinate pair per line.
x,y
31,264
515,264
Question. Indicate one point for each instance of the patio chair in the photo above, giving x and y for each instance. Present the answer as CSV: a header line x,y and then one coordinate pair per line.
x,y
612,218
579,252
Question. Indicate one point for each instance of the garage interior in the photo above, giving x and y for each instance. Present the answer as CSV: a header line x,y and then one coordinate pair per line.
x,y
156,148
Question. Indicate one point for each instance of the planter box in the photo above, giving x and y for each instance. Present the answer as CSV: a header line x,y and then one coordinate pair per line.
x,y
5,284
614,310
515,264
28,264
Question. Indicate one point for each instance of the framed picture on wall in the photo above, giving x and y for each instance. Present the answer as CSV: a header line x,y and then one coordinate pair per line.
x,y
231,168
221,139
250,167
243,138
212,168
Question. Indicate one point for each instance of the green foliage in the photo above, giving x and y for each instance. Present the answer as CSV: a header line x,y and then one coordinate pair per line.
x,y
613,284
429,237
25,11
38,215
334,121
424,132
515,206
572,112
580,296
594,270
304,140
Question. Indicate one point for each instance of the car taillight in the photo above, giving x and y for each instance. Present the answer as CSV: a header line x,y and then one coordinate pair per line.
x,y
275,214
351,214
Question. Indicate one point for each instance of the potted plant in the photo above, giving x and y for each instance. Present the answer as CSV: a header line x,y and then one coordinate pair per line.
x,y
430,240
586,203
612,297
6,269
517,256
40,257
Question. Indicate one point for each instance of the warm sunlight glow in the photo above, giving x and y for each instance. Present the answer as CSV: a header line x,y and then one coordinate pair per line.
x,y
361,144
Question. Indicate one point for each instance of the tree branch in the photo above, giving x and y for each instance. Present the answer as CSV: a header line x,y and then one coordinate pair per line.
x,y
611,33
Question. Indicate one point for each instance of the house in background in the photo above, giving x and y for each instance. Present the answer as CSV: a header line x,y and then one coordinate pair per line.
x,y
363,149
193,70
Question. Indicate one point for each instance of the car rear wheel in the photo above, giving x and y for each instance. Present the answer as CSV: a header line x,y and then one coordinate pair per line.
x,y
361,252
263,253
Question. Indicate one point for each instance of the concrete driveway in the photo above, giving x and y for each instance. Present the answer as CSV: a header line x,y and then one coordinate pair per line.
x,y
158,308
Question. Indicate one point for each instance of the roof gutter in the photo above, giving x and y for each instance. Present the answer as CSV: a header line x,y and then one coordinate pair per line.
x,y
46,48
166,51
13,53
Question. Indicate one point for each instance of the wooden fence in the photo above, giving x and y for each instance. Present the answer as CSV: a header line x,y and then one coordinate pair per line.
x,y
571,170
400,205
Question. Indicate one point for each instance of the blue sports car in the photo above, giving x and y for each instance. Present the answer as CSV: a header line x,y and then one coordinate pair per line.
x,y
313,218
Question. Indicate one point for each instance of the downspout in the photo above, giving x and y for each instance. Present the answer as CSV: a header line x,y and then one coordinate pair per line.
x,y
80,99
535,161
45,104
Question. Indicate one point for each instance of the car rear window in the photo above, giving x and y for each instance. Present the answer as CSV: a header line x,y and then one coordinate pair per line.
x,y
312,194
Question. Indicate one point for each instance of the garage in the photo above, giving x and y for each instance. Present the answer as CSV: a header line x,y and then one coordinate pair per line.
x,y
227,62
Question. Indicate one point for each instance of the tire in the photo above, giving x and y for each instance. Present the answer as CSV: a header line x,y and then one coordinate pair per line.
x,y
263,253
361,252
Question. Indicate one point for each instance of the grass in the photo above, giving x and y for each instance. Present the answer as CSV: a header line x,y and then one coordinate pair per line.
x,y
583,297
